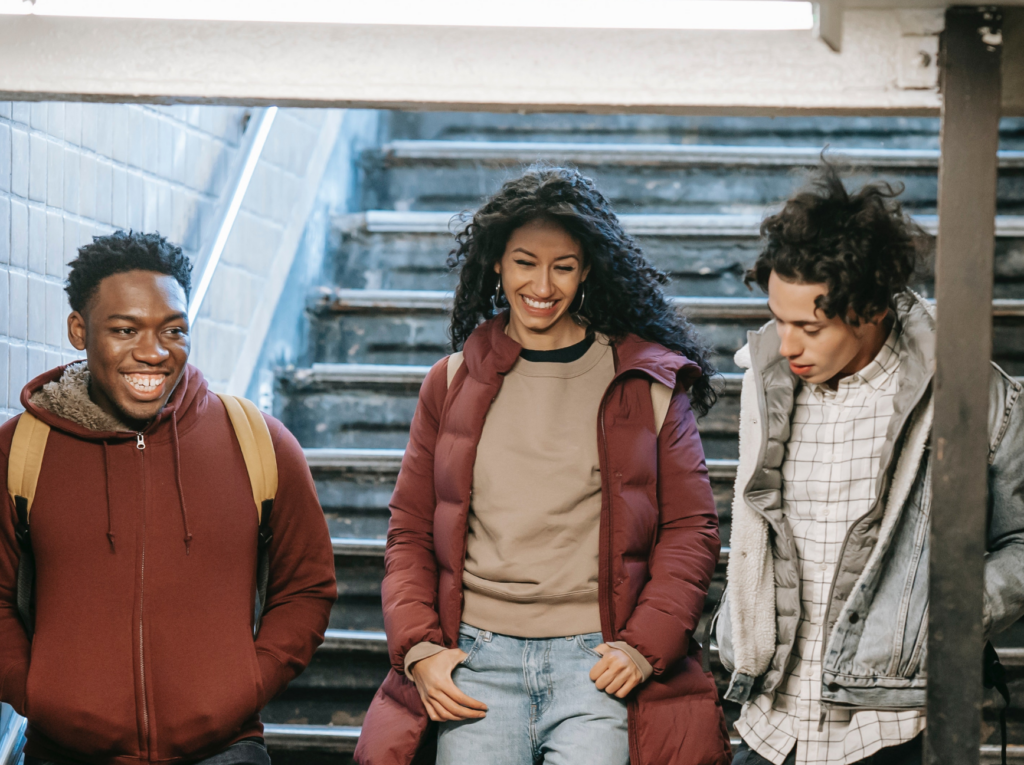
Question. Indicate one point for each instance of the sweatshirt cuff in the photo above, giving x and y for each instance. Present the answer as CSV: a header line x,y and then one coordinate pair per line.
x,y
12,689
271,676
638,658
421,651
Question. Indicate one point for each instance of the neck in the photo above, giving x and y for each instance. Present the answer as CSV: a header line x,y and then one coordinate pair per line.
x,y
561,334
874,339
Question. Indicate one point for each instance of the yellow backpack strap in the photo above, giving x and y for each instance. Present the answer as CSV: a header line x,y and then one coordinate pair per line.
x,y
261,462
257,448
661,397
27,449
454,362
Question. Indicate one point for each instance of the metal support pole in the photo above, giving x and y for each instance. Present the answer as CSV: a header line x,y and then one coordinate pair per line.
x,y
963,291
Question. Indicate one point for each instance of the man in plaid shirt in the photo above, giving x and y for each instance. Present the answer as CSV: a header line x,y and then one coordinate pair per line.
x,y
825,617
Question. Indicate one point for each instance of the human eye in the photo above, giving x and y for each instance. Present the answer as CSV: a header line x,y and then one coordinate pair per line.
x,y
123,331
523,262
565,269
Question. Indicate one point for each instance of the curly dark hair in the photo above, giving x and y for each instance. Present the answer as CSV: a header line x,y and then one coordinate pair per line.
x,y
624,292
120,252
862,246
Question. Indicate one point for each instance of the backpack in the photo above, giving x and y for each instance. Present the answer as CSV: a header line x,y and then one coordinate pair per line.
x,y
661,395
26,460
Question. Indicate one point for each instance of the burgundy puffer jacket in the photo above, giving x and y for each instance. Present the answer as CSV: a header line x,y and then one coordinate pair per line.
x,y
658,548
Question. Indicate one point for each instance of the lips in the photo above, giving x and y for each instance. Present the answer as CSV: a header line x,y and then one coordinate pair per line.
x,y
800,369
145,386
536,307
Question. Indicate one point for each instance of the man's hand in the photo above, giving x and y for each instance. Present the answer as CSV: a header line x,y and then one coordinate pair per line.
x,y
616,674
443,700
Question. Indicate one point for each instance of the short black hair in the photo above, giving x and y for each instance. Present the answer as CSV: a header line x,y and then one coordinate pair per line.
x,y
862,246
120,252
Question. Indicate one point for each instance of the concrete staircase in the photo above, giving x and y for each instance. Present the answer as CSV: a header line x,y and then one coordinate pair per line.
x,y
693,190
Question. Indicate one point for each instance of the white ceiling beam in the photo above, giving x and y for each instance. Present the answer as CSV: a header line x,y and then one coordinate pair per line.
x,y
878,71
507,69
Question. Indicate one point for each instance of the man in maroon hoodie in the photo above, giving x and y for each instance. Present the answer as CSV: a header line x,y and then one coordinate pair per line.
x,y
144,533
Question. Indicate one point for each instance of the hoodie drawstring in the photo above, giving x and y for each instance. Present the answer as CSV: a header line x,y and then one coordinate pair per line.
x,y
106,474
177,481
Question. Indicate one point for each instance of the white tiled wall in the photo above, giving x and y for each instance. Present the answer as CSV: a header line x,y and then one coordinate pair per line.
x,y
71,171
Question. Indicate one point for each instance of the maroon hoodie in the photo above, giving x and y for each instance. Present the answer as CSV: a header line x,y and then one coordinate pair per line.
x,y
145,582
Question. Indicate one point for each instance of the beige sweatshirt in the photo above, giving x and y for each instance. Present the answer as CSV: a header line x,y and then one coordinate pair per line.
x,y
532,550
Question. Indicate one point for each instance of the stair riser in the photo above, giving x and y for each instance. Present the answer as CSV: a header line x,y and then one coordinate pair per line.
x,y
421,338
888,132
358,507
456,185
380,419
698,266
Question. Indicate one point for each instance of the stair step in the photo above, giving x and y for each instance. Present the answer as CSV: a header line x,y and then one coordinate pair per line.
x,y
372,405
374,548
678,224
665,155
662,128
311,738
343,740
697,308
390,461
704,255
653,178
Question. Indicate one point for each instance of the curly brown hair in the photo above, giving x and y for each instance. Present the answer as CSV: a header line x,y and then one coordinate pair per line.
x,y
624,293
862,246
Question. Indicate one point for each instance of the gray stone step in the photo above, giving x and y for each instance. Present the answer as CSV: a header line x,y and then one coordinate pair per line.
x,y
357,405
704,255
431,175
886,132
411,326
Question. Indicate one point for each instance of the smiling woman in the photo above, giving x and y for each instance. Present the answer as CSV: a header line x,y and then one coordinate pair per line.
x,y
569,527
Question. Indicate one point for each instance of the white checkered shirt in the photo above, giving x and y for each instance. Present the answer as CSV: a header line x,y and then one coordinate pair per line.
x,y
828,482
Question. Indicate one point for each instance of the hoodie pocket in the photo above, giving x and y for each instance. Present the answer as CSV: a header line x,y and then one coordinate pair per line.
x,y
83,700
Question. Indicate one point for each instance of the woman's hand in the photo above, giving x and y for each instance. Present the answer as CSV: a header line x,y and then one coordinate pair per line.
x,y
443,700
616,674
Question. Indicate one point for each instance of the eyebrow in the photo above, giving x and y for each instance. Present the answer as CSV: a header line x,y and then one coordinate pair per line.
x,y
135,319
794,323
560,257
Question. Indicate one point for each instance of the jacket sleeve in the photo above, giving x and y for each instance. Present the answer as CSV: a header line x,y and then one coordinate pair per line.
x,y
687,547
302,587
14,643
409,589
1004,563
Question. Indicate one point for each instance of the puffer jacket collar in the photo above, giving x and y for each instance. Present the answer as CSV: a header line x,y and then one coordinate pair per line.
x,y
490,353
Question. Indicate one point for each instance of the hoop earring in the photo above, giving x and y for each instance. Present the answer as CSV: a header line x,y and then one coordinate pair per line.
x,y
577,315
496,299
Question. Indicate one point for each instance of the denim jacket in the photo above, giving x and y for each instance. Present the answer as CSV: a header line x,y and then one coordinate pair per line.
x,y
877,658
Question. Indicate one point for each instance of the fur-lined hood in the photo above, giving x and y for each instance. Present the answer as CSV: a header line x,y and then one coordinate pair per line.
x,y
68,398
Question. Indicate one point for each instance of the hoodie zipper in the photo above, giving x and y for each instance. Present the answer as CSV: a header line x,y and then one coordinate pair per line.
x,y
140,444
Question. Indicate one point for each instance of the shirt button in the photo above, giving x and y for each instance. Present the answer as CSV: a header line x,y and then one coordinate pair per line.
x,y
823,566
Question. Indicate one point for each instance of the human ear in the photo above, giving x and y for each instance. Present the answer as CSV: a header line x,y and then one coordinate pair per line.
x,y
76,330
497,266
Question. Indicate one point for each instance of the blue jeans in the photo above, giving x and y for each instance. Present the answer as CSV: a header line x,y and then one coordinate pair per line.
x,y
542,705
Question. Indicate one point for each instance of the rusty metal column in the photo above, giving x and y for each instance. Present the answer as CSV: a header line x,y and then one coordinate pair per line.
x,y
963,291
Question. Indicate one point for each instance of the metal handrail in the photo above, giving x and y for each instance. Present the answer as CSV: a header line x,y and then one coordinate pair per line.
x,y
254,140
12,736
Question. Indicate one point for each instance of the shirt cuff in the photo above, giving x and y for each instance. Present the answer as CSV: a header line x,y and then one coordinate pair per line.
x,y
638,658
421,651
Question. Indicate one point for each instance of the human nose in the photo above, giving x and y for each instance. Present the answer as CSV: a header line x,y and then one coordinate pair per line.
x,y
149,349
542,285
789,348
